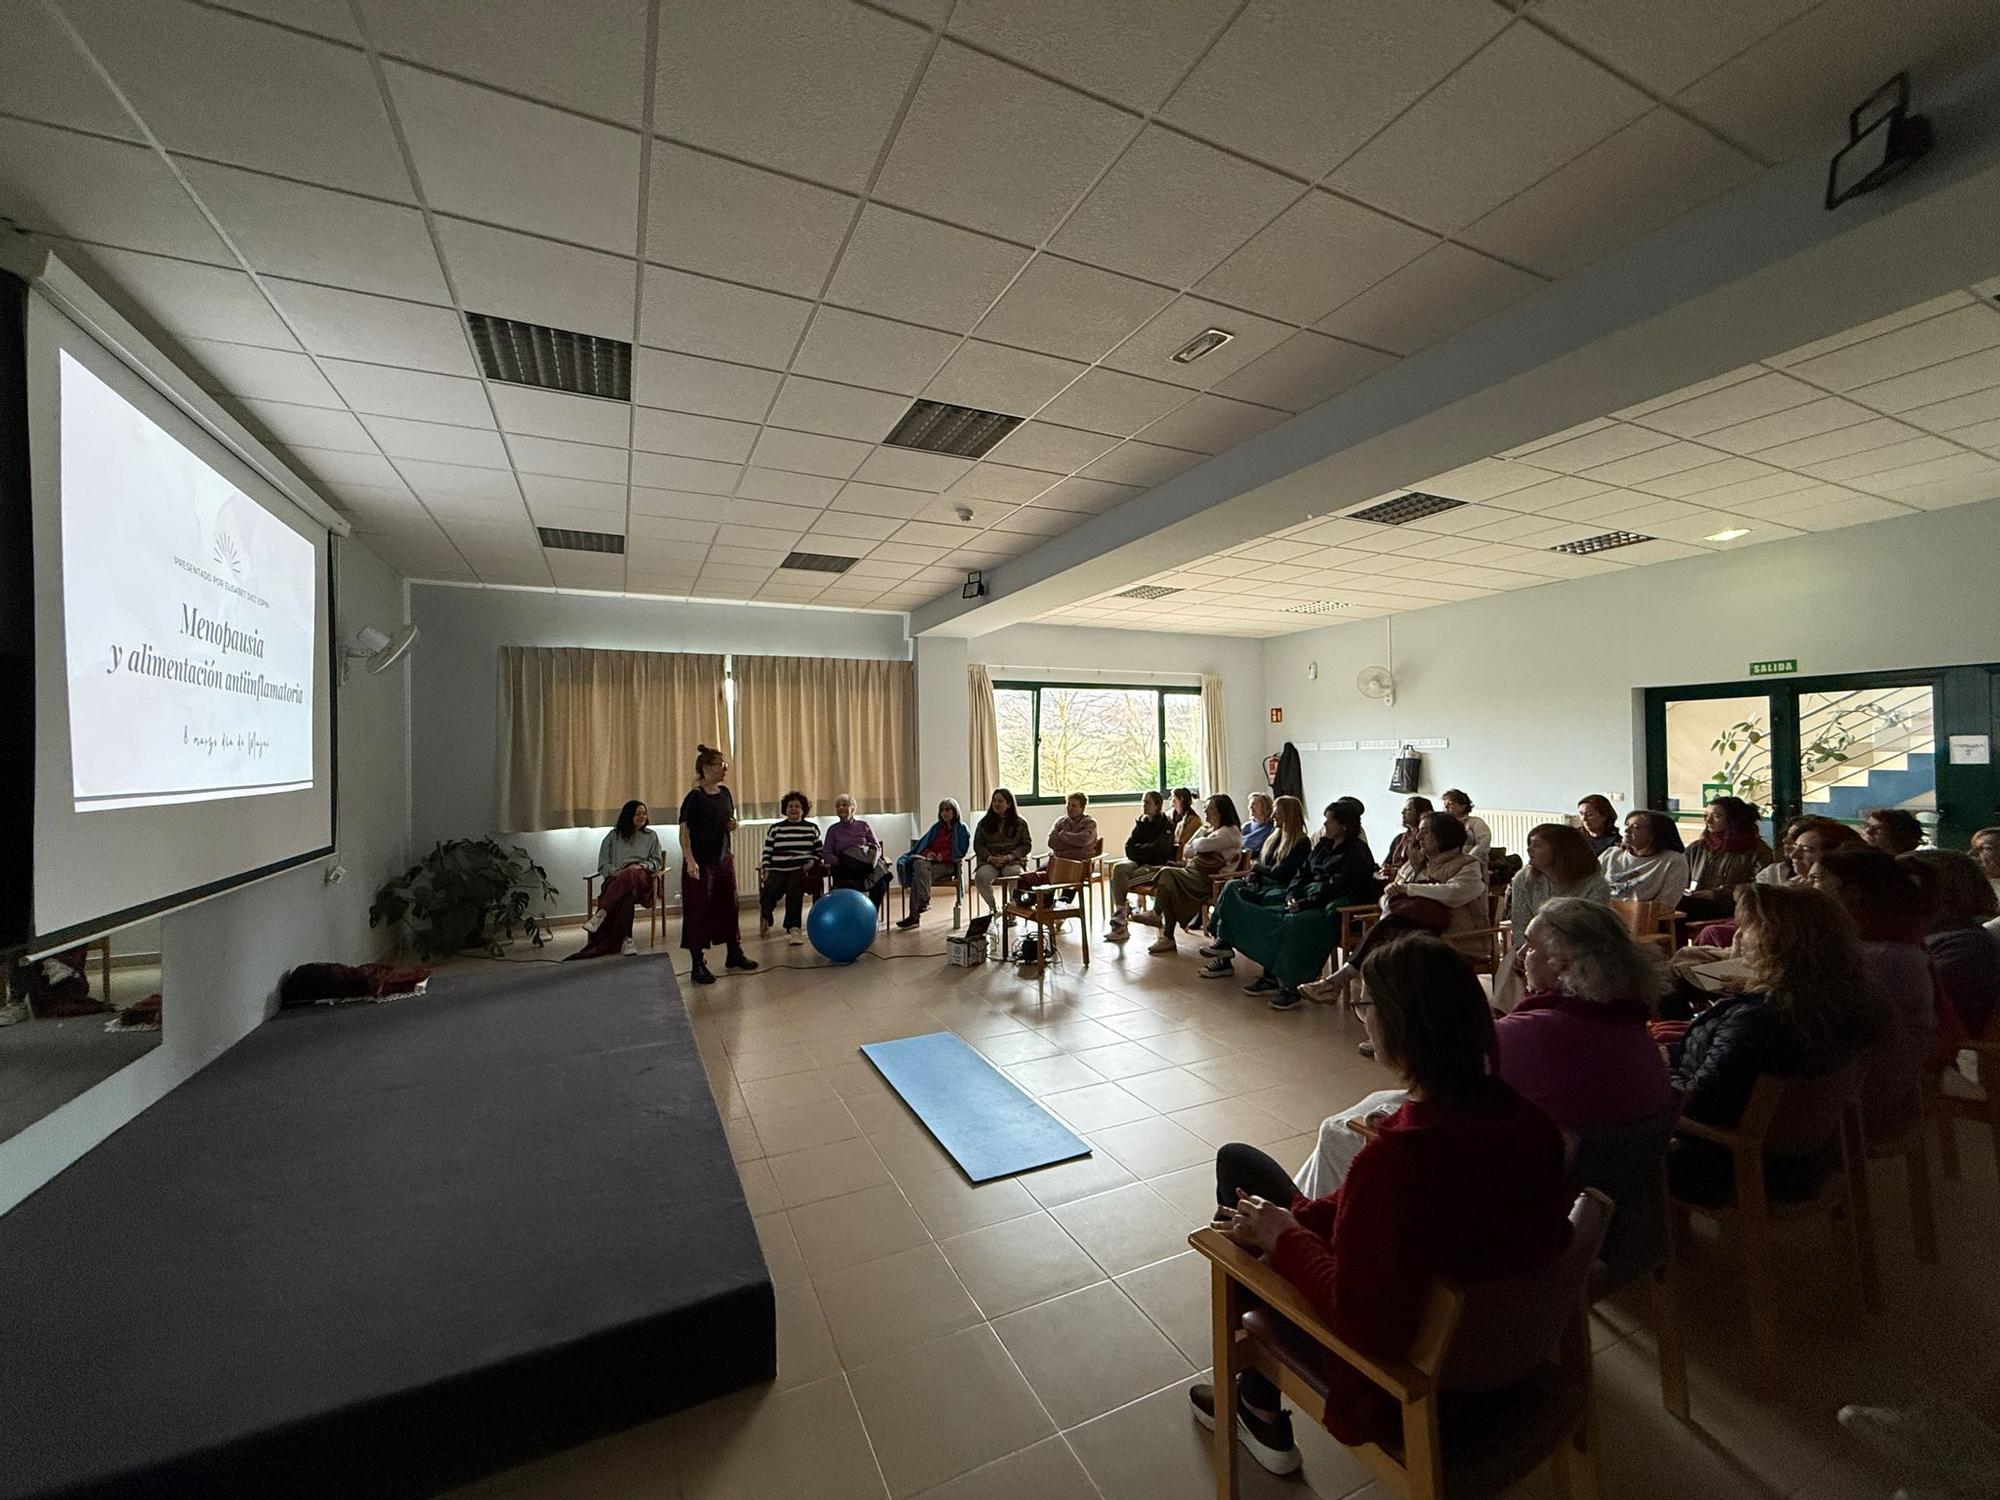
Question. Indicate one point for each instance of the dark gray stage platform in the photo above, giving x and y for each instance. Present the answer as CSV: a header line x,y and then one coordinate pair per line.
x,y
380,1250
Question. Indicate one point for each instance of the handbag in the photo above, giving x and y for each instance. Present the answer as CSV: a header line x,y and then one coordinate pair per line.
x,y
857,862
1419,911
1408,771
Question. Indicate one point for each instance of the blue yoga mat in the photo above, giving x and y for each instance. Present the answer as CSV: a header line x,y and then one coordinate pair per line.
x,y
976,1112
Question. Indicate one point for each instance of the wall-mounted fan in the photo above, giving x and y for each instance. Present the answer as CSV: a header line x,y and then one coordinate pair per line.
x,y
1377,682
380,650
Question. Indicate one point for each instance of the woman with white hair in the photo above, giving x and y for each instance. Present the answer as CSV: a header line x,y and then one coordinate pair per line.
x,y
1576,1045
853,854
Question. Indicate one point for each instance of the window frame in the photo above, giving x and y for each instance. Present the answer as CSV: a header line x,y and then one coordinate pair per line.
x,y
1035,796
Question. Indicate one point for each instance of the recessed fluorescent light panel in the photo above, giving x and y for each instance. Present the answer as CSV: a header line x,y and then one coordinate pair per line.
x,y
551,359
1728,536
817,562
939,427
559,539
1602,542
1147,591
1404,509
1206,342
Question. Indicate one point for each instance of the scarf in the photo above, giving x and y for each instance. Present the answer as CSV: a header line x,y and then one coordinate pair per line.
x,y
1740,841
1614,1012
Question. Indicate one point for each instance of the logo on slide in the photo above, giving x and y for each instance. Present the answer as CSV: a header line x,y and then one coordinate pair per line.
x,y
224,552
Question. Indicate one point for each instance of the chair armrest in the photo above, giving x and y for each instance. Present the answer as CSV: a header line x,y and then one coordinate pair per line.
x,y
1727,1139
1401,1380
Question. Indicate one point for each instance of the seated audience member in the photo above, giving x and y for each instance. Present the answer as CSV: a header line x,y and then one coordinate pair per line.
x,y
1000,848
1258,828
1804,1013
1783,872
1149,848
1814,838
1650,864
1600,822
1465,1179
854,855
628,862
1889,902
1440,889
1985,852
791,849
1292,929
1576,1045
1893,831
1478,837
1404,844
933,858
1559,863
1729,853
1072,836
1187,822
1964,949
1180,891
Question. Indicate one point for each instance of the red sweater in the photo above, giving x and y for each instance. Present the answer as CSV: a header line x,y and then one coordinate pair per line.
x,y
1472,1196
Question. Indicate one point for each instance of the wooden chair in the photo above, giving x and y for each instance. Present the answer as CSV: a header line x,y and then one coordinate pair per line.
x,y
1217,882
656,914
1651,923
1495,1384
1790,1117
1913,1147
1628,1165
1047,919
1953,1097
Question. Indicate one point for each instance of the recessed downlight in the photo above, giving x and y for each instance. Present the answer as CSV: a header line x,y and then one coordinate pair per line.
x,y
1728,536
1206,342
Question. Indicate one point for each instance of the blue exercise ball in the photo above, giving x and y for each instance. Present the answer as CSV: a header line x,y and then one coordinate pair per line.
x,y
841,925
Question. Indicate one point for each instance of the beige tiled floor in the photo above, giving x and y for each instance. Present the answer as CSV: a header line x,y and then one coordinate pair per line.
x,y
1033,1337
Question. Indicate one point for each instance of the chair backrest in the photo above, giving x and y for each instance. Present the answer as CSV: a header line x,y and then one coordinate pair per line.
x,y
1798,1115
1509,1329
1623,1163
1066,872
1641,917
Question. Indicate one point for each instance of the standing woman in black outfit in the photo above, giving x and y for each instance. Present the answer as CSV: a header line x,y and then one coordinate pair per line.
x,y
708,869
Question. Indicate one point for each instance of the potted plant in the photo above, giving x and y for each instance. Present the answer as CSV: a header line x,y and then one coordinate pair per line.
x,y
467,893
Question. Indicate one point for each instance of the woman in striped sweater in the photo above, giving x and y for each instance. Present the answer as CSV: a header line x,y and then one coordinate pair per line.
x,y
791,849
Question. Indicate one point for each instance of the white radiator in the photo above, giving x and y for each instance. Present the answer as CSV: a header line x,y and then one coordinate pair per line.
x,y
1510,826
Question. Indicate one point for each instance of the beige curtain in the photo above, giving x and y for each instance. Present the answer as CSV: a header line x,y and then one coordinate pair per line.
x,y
1214,736
583,732
825,725
983,738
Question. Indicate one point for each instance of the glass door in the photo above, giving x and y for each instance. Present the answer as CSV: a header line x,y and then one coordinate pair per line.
x,y
1868,746
1713,747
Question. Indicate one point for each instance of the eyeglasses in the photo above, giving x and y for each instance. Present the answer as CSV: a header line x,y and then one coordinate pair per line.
x,y
1361,1005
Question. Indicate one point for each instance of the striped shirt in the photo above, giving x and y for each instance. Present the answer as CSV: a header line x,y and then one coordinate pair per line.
x,y
791,846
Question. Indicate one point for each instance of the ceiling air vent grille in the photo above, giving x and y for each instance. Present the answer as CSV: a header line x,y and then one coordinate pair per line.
x,y
1604,541
1406,508
552,359
560,539
816,562
1148,591
962,431
1319,607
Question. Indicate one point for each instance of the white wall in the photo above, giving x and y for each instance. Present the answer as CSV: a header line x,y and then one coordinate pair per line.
x,y
1538,690
223,959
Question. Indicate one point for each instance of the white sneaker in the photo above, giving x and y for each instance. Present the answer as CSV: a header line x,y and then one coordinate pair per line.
x,y
796,938
13,1012
631,947
594,921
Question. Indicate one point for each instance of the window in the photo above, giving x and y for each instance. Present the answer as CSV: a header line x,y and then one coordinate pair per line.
x,y
1105,739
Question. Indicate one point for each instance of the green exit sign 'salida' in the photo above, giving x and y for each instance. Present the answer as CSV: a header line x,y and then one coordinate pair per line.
x,y
1774,668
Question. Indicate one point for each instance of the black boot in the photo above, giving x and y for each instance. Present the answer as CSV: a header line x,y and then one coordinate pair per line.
x,y
699,972
738,959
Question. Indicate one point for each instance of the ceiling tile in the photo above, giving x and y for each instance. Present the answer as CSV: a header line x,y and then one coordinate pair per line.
x,y
557,414
261,374
993,377
725,219
932,534
1855,467
697,315
378,330
991,481
513,275
44,77
1698,481
708,387
1150,351
1965,330
701,476
383,390
1874,327
174,62
1436,295
1302,83
1828,414
1839,443
857,349
1640,410
668,513
906,552
332,467
590,58
1060,450
399,438
1654,463
536,455
1666,47
1741,401
1212,424
552,495
837,410
1089,496
996,149
1138,218
1032,520
807,453
438,484
1306,369
1316,255
1144,464
945,510
921,271
1603,445
1061,307
105,191
1520,109
1851,511
816,94
1934,388
1978,409
1920,469
849,533
309,426
505,161
880,500
929,472
692,437
786,488
1649,174
1109,401
182,297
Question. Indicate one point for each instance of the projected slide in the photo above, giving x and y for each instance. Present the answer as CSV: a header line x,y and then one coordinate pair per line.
x,y
187,615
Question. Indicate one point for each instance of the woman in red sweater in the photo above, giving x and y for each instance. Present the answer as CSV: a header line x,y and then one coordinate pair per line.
x,y
1466,1180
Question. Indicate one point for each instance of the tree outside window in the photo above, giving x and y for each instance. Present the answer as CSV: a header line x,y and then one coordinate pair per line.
x,y
1107,740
